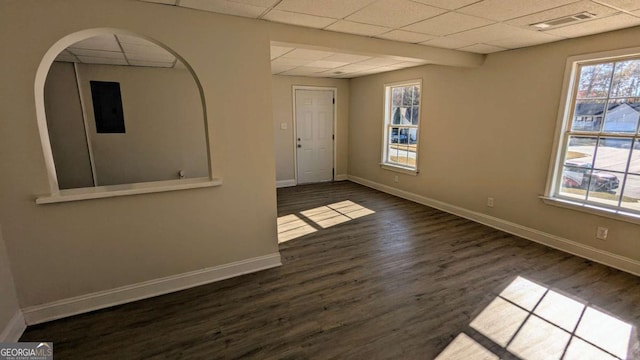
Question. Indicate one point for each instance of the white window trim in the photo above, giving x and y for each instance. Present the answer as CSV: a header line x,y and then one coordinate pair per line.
x,y
557,153
385,131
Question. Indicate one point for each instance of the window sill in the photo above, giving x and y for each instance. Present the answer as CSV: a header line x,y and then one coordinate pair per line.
x,y
400,169
591,209
100,192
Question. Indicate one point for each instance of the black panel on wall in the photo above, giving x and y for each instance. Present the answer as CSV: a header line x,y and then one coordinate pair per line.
x,y
107,107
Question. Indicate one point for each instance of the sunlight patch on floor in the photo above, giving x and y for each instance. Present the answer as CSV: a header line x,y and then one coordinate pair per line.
x,y
293,226
464,347
536,323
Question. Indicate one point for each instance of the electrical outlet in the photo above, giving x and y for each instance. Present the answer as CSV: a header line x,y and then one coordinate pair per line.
x,y
602,233
395,178
490,202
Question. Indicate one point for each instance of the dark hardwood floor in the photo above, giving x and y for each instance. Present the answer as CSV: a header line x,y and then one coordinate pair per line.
x,y
376,277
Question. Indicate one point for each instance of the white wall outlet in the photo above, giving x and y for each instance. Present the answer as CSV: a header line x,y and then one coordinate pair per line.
x,y
395,178
602,233
490,202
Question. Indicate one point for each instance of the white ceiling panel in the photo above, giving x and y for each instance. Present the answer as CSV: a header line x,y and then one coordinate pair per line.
x,y
282,61
351,27
508,9
379,62
348,58
534,38
447,42
101,60
628,5
103,42
447,4
307,54
356,68
482,48
326,64
259,3
299,19
336,9
448,23
151,63
224,7
276,69
304,71
66,56
97,53
405,36
166,2
277,51
596,26
492,32
394,13
562,11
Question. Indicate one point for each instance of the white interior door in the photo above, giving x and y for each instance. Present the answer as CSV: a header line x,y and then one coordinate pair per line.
x,y
314,135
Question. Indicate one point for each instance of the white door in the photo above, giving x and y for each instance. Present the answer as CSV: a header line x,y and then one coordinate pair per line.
x,y
314,135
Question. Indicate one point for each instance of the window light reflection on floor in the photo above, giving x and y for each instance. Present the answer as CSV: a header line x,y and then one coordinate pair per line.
x,y
293,226
534,322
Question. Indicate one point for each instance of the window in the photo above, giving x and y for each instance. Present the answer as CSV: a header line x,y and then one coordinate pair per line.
x,y
402,120
598,162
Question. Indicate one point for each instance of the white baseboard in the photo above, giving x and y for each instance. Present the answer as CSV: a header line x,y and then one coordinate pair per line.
x,y
14,329
103,299
588,252
285,183
340,177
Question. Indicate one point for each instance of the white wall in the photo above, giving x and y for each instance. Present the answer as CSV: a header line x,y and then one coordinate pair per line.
x,y
8,302
164,125
94,245
489,132
283,113
66,127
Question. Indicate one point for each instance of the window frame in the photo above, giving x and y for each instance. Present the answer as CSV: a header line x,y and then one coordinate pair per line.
x,y
563,132
387,125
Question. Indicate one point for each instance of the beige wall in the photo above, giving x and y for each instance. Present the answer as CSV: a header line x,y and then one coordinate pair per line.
x,y
66,127
283,113
486,132
8,302
164,125
87,246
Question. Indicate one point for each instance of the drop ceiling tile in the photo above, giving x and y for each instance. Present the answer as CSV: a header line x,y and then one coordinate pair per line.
x,y
628,5
447,42
534,38
408,64
307,54
447,4
394,13
562,11
166,2
304,71
277,51
299,19
356,67
491,32
100,60
160,64
134,40
448,23
348,58
282,61
379,62
405,36
224,7
143,49
150,57
610,23
259,3
66,56
336,9
276,69
102,42
508,9
326,64
97,53
482,49
356,28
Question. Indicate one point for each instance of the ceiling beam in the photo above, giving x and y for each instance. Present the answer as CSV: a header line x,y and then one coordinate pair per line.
x,y
291,35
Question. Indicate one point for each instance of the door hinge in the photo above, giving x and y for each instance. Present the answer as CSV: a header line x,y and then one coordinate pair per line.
x,y
333,173
333,137
334,101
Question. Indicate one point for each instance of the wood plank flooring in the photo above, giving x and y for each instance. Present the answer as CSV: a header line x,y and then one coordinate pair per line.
x,y
401,282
